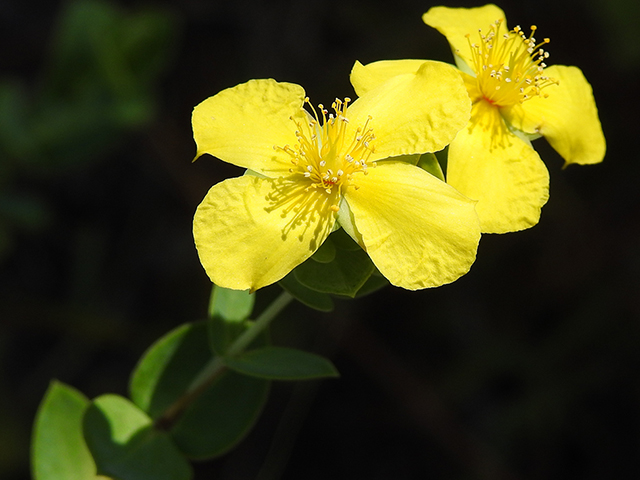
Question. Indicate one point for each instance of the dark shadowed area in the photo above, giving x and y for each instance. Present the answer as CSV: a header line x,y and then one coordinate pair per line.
x,y
527,368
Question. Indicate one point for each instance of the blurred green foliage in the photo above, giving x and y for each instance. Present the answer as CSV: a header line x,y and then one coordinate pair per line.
x,y
100,82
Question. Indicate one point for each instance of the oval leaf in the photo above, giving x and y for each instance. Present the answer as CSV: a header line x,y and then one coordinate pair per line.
x,y
221,417
59,451
306,296
228,310
223,333
230,305
326,253
279,363
125,445
374,283
429,163
343,241
168,367
345,275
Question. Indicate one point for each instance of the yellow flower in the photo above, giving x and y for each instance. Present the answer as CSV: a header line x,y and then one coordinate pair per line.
x,y
516,98
309,173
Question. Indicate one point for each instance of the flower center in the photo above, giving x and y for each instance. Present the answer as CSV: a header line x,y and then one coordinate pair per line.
x,y
327,156
509,66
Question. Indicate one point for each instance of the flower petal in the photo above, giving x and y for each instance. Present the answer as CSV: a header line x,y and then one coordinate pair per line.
x,y
419,231
251,231
567,118
365,78
456,23
489,163
415,112
242,124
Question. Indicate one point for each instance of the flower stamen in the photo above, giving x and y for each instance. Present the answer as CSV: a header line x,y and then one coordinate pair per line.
x,y
327,155
510,66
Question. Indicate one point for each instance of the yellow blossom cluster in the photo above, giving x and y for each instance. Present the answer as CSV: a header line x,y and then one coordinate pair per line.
x,y
311,170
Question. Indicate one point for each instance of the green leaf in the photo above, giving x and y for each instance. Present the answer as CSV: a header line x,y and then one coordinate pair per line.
x,y
345,275
168,367
443,158
343,241
223,333
228,311
126,446
429,163
310,298
326,253
231,305
375,282
58,450
412,158
221,417
278,363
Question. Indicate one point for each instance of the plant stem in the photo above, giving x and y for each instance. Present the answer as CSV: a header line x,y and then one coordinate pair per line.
x,y
260,324
216,366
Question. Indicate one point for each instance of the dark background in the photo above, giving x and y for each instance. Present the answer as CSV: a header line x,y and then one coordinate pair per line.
x,y
526,368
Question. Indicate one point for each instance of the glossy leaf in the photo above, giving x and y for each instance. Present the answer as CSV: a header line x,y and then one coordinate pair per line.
x,y
221,417
310,298
168,367
343,241
429,162
59,451
223,333
374,283
278,363
228,309
345,275
231,305
326,253
125,445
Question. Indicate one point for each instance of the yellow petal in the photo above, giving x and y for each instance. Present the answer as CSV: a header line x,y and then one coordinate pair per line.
x,y
490,164
418,230
567,118
242,124
414,112
455,23
251,231
365,78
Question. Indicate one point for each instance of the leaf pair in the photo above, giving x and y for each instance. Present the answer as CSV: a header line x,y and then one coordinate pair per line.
x,y
165,424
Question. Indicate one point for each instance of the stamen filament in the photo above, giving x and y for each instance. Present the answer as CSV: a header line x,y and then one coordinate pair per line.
x,y
323,148
509,66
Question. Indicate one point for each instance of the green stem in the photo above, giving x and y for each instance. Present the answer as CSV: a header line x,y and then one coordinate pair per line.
x,y
260,324
216,366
